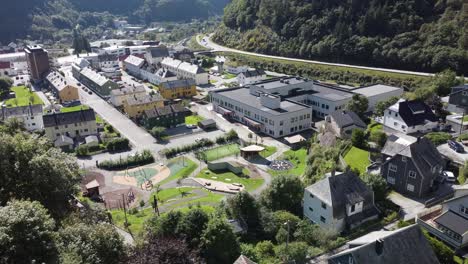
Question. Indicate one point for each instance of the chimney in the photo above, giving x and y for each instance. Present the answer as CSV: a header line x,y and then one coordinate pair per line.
x,y
379,247
333,172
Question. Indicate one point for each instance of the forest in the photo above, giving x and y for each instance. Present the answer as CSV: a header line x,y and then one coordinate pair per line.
x,y
54,19
420,35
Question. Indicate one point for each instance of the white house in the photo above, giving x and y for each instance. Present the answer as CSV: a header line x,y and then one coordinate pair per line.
x,y
133,65
119,96
251,76
30,116
338,202
236,69
185,70
410,117
157,76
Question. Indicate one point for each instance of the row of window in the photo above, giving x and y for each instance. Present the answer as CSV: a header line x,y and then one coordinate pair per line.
x,y
394,168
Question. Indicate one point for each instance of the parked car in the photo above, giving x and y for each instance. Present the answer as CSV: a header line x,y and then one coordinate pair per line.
x,y
190,126
456,146
90,92
449,176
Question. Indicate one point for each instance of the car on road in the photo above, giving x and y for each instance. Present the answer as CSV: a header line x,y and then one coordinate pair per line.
x,y
189,126
90,92
449,176
457,147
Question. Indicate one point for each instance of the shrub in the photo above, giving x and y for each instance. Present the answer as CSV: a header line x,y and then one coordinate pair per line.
x,y
118,144
438,138
82,150
138,159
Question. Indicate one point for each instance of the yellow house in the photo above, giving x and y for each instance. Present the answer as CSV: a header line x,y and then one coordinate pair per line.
x,y
136,106
178,89
64,88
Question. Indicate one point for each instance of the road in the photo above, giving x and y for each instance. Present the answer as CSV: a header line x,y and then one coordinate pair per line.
x,y
206,42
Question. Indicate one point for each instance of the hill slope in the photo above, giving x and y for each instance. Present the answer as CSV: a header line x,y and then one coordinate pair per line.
x,y
421,35
42,18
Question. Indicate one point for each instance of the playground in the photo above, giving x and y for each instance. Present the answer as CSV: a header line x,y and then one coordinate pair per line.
x,y
142,177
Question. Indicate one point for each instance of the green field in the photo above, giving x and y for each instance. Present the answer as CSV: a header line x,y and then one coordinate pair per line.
x,y
269,150
136,221
297,158
23,97
173,193
221,152
180,168
211,199
374,127
193,119
357,159
74,108
229,177
228,76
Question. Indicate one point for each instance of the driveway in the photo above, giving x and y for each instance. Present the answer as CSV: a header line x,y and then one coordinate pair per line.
x,y
409,207
459,158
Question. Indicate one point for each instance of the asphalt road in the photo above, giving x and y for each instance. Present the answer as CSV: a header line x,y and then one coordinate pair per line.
x,y
206,42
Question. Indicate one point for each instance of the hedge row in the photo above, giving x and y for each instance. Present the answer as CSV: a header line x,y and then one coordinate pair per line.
x,y
138,159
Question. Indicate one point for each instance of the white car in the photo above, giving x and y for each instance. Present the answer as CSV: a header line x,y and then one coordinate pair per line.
x,y
191,126
449,176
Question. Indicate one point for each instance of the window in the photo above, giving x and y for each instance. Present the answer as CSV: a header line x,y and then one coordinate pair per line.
x,y
392,167
412,174
410,187
353,208
324,205
33,124
465,93
311,195
391,180
56,127
281,123
464,209
311,209
323,219
403,158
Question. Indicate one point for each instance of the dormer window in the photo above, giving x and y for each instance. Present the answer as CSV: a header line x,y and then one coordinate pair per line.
x,y
353,208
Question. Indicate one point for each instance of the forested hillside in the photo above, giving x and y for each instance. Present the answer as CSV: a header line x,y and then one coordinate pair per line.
x,y
422,35
45,18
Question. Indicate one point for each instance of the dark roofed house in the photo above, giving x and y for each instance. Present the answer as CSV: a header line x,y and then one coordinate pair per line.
x,y
343,122
411,168
410,117
155,55
404,246
167,116
339,202
207,124
71,124
459,96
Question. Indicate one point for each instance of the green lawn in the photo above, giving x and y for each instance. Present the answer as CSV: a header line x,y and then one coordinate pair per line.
x,y
269,150
297,158
23,97
173,193
136,220
99,119
229,177
374,127
180,168
73,108
211,199
193,119
221,152
228,76
357,159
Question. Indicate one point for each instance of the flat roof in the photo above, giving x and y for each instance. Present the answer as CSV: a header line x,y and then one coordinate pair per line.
x,y
279,82
243,96
454,222
376,89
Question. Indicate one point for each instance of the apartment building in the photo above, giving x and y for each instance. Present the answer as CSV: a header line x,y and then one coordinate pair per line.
x,y
185,70
64,88
136,106
178,89
37,59
71,124
93,80
30,116
119,96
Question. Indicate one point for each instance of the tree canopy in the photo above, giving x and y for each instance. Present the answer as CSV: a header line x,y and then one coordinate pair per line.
x,y
284,193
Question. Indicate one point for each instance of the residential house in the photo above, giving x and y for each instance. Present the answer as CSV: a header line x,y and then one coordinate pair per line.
x,y
343,122
29,115
184,55
108,61
185,70
133,64
410,117
178,89
94,81
251,76
448,221
403,246
119,96
155,55
136,106
459,123
66,89
6,69
340,201
243,260
71,124
411,168
459,96
167,116
156,76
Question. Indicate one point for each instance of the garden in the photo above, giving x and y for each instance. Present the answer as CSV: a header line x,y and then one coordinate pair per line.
x,y
357,159
23,97
297,158
193,119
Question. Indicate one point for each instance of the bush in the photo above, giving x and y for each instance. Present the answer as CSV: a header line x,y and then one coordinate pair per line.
x,y
463,174
463,137
138,159
82,150
358,138
438,138
203,143
118,144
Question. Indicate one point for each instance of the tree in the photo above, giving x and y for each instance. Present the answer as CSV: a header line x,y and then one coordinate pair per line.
x,y
164,250
358,104
377,183
381,106
165,225
191,226
98,243
443,252
33,169
378,137
219,244
158,132
26,233
5,85
284,193
358,138
444,81
295,252
244,208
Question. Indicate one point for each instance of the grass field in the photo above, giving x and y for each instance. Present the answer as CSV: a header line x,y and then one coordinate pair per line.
x,y
180,168
374,127
357,159
269,150
229,177
73,108
23,97
136,221
173,193
228,76
221,152
193,119
297,158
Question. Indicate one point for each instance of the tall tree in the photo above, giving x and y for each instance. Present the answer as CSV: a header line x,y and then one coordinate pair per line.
x,y
219,243
244,208
358,104
5,85
284,193
26,233
191,226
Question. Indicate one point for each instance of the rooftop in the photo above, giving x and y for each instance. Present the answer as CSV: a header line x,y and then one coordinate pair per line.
x,y
344,118
128,89
144,100
58,81
59,119
376,90
279,82
94,76
135,61
19,111
178,83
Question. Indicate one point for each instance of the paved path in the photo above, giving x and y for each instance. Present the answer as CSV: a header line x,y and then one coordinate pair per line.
x,y
207,42
127,237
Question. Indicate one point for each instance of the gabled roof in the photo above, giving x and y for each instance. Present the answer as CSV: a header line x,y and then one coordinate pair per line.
x,y
135,61
59,119
94,76
58,81
158,52
128,89
108,57
63,141
178,84
395,145
414,112
243,260
406,245
166,110
344,118
144,99
253,73
191,68
21,111
342,189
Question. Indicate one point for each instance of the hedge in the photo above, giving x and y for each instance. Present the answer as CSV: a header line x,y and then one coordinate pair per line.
x,y
138,159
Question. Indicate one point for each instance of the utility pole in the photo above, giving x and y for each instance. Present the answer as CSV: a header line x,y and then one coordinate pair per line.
x,y
156,208
462,121
125,210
